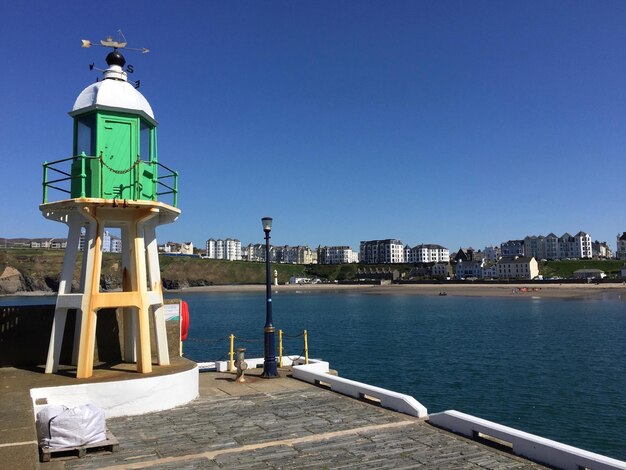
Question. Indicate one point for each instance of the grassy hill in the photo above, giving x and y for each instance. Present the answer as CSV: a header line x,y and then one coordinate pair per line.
x,y
40,269
565,269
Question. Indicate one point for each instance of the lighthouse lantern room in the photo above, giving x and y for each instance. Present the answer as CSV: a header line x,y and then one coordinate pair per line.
x,y
114,180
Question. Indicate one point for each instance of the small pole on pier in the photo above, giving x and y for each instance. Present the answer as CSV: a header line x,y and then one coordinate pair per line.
x,y
306,347
280,348
232,352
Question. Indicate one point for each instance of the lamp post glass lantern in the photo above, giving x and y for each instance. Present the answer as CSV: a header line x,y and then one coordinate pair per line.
x,y
270,369
267,224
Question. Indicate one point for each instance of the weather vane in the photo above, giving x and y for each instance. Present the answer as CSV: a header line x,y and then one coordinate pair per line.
x,y
115,45
119,44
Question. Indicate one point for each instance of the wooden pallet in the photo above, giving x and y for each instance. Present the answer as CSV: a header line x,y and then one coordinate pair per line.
x,y
110,444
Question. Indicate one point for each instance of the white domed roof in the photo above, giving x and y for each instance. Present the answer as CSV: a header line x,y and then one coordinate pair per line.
x,y
114,94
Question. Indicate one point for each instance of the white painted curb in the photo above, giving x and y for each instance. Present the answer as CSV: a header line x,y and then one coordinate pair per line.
x,y
530,446
316,372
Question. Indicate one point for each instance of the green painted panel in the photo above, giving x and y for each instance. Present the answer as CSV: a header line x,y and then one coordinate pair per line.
x,y
117,146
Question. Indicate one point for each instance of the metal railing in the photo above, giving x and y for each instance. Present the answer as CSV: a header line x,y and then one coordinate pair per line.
x,y
64,182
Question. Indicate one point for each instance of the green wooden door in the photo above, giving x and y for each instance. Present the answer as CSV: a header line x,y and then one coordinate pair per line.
x,y
118,147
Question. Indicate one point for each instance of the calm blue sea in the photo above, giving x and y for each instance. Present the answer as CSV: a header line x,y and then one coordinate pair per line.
x,y
551,367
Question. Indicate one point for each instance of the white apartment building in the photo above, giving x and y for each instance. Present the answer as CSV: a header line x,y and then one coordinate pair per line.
x,y
601,250
336,255
110,243
535,245
228,249
578,246
175,248
552,246
517,267
256,252
116,244
426,253
186,248
390,250
293,254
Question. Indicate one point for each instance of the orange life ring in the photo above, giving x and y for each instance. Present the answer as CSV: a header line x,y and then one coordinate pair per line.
x,y
184,320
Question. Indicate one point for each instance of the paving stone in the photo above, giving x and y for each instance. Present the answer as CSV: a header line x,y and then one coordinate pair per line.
x,y
302,427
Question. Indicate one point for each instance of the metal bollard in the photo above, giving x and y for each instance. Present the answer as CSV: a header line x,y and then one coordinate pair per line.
x,y
241,365
231,352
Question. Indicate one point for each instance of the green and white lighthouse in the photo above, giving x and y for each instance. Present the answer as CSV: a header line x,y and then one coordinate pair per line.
x,y
113,180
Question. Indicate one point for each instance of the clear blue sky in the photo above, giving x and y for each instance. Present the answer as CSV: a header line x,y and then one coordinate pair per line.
x,y
463,123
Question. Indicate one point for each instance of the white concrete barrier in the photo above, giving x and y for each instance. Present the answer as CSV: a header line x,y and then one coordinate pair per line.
x,y
530,446
316,372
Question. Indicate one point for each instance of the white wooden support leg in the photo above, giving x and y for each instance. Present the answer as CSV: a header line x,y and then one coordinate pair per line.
x,y
154,278
75,222
56,340
129,314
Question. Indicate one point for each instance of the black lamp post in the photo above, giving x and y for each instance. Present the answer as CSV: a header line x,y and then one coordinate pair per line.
x,y
270,369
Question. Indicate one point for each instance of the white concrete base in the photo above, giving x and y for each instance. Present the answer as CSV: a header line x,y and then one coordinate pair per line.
x,y
530,446
125,397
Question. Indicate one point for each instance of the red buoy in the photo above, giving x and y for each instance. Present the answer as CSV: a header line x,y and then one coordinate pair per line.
x,y
184,320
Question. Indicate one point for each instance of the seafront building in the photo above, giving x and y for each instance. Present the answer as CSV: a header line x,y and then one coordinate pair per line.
x,y
507,267
512,248
336,255
426,253
110,243
292,254
175,248
228,249
601,250
517,267
390,250
469,269
492,253
442,270
567,246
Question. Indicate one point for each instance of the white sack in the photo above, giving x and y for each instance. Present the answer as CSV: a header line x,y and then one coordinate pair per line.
x,y
59,426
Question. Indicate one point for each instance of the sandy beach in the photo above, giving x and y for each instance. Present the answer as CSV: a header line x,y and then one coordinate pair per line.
x,y
615,290
521,290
